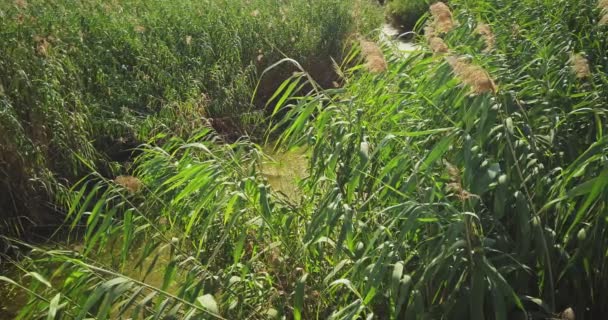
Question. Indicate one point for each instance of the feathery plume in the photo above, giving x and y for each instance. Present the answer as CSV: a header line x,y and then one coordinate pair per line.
x,y
375,62
369,48
442,17
438,45
455,185
429,32
472,75
130,183
42,45
20,18
440,10
21,4
580,65
485,31
603,6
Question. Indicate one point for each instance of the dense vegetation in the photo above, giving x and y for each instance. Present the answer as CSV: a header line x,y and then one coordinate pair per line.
x,y
404,14
82,82
466,180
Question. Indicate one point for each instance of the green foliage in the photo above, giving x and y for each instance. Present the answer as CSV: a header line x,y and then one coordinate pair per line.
x,y
81,82
474,197
405,13
423,200
201,239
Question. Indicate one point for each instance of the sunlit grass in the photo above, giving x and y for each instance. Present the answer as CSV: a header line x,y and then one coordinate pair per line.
x,y
465,183
83,83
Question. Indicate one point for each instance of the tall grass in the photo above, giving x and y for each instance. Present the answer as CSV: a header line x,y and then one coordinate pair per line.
x,y
430,194
84,82
486,200
404,14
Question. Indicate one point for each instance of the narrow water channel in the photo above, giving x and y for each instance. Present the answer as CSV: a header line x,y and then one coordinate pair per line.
x,y
402,41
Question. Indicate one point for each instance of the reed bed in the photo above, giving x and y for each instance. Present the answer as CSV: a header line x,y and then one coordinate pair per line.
x,y
83,84
423,198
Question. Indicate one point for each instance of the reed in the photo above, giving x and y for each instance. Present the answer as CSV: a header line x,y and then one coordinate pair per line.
x,y
428,193
85,83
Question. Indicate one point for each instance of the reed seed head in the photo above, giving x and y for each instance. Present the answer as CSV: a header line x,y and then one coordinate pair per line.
x,y
429,32
369,48
442,17
438,45
453,172
130,183
376,64
472,75
21,4
580,66
568,314
374,57
42,45
455,185
485,31
440,9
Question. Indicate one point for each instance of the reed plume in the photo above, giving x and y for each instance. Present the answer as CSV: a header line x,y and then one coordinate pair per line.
x,y
438,45
440,10
485,32
429,32
472,75
603,6
455,184
580,66
442,17
374,58
42,45
21,4
130,183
